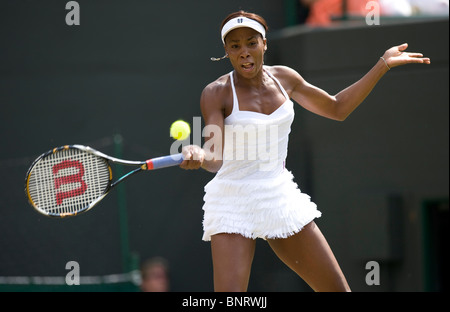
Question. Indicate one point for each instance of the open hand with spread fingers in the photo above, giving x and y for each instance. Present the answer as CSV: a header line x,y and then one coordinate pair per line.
x,y
397,56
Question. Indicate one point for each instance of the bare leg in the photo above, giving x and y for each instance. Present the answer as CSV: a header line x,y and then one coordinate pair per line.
x,y
309,255
232,256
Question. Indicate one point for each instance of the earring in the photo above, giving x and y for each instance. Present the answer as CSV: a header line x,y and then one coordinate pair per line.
x,y
218,58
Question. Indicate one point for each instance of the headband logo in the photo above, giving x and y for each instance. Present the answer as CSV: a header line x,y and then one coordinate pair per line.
x,y
240,20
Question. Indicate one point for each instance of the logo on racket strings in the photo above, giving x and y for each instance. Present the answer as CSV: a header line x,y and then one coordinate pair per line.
x,y
69,179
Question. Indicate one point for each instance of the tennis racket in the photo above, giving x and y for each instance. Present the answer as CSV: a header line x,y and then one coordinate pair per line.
x,y
71,179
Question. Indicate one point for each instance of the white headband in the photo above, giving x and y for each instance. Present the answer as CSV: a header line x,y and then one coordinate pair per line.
x,y
242,21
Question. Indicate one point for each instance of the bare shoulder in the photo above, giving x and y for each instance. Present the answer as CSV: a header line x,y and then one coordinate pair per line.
x,y
216,95
288,77
282,71
217,88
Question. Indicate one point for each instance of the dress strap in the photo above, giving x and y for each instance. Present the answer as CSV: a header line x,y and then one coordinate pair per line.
x,y
279,84
235,99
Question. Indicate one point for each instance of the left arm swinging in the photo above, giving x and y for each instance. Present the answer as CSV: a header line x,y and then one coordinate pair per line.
x,y
341,105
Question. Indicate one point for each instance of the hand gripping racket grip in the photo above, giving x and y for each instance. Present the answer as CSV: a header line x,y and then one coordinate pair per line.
x,y
164,161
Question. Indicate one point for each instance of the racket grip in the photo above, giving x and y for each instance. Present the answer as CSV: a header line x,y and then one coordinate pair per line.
x,y
164,161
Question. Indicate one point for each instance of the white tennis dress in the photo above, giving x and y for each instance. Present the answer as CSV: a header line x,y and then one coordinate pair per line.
x,y
253,194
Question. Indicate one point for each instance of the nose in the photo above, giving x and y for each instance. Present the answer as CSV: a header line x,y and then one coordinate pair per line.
x,y
244,53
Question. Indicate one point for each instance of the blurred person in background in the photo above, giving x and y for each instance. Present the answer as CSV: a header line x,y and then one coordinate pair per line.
x,y
322,12
155,275
414,7
401,8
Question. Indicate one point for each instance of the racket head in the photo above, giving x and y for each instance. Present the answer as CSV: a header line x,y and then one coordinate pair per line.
x,y
67,181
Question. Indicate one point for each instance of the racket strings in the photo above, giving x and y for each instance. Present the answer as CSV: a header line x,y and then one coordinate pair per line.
x,y
68,181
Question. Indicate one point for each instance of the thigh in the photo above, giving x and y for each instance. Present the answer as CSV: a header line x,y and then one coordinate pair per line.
x,y
310,256
232,256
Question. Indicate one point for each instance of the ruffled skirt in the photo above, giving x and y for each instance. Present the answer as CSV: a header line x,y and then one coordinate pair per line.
x,y
259,208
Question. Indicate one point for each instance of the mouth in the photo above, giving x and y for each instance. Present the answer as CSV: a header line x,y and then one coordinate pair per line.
x,y
248,66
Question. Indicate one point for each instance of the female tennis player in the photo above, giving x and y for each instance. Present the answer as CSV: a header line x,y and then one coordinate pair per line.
x,y
252,194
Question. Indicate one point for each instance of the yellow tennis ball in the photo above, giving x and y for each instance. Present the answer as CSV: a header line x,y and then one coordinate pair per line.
x,y
180,130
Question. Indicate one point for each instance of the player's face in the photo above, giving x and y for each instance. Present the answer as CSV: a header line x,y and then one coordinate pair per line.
x,y
245,48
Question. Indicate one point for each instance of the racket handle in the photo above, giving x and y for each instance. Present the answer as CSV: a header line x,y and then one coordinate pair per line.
x,y
164,161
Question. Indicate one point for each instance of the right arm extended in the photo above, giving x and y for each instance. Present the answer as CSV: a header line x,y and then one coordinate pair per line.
x,y
210,156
